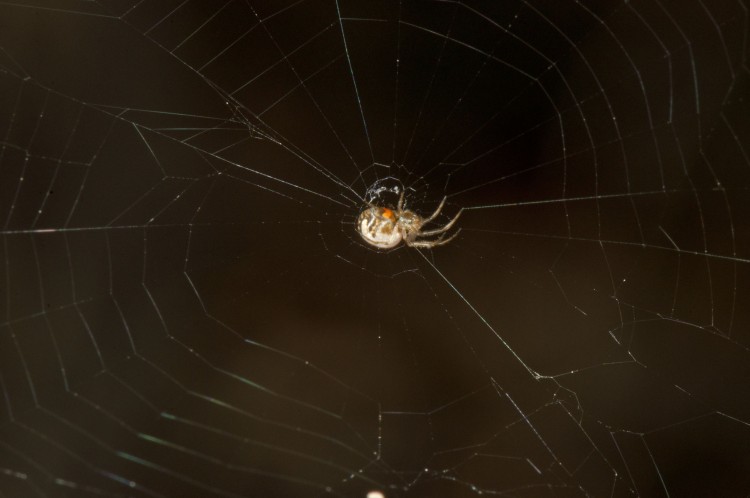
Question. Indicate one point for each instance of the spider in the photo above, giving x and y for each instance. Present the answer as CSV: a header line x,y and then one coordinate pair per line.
x,y
384,228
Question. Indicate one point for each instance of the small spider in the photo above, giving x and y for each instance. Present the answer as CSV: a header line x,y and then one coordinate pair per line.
x,y
384,228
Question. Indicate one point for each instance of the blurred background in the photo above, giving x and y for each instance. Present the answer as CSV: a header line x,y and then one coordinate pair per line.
x,y
187,309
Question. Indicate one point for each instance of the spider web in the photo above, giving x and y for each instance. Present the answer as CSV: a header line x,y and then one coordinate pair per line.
x,y
187,309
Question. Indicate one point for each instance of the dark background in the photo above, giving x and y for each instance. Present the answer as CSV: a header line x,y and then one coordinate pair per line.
x,y
186,308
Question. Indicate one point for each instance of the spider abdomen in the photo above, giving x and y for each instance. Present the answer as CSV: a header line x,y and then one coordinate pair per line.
x,y
378,227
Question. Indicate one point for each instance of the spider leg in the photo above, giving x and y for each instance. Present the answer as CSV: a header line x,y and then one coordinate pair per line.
x,y
400,206
443,229
429,244
436,213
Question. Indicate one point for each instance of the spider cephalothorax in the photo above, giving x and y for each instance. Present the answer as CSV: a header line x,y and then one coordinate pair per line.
x,y
385,228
